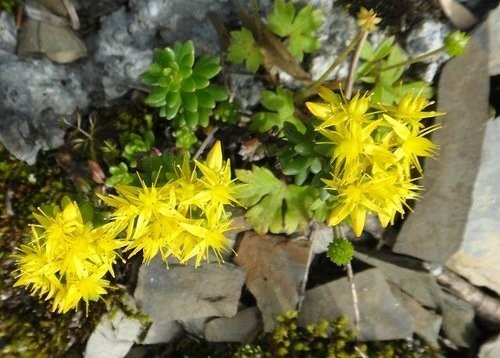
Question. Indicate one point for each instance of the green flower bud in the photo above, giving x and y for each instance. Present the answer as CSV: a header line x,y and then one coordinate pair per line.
x,y
340,251
456,42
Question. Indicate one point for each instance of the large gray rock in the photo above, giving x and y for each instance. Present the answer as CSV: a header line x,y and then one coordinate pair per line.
x,y
478,258
382,316
183,293
406,273
435,230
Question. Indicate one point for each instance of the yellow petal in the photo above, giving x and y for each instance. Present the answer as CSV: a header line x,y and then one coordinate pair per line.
x,y
320,110
214,157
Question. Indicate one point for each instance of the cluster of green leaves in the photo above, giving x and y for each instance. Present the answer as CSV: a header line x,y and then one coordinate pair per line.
x,y
135,141
304,154
280,110
275,206
295,28
181,89
387,84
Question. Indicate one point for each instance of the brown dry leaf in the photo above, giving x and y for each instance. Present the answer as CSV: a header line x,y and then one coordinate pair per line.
x,y
251,150
275,269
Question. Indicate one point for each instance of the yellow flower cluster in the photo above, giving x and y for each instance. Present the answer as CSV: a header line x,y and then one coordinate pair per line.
x,y
67,259
184,218
373,155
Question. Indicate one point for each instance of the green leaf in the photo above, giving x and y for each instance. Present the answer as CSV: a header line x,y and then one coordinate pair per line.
x,y
207,66
280,20
188,85
273,205
164,57
283,110
384,49
244,48
189,101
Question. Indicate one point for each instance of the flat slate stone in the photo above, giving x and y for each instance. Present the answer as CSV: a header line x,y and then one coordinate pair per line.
x,y
243,327
183,293
478,258
435,230
383,317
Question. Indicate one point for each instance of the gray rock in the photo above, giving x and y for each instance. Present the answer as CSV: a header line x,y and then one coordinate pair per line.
x,y
382,316
406,273
458,321
183,293
243,327
426,37
338,29
491,348
116,331
33,96
435,230
8,33
493,24
478,258
426,323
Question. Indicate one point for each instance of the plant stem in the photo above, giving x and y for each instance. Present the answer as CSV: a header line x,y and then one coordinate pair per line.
x,y
312,88
413,60
339,233
354,64
354,294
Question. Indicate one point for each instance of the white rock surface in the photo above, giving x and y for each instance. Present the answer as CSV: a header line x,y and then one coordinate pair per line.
x,y
116,332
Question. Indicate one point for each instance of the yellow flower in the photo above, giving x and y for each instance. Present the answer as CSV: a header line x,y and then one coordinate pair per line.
x,y
411,144
368,20
67,259
335,111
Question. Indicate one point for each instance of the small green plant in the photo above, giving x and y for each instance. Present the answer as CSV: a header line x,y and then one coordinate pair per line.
x,y
181,89
274,205
281,110
294,28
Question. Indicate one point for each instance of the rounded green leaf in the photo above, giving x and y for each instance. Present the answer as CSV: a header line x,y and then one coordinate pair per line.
x,y
205,99
204,116
201,82
189,101
164,57
157,95
296,166
152,75
191,118
305,148
207,66
219,93
188,85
